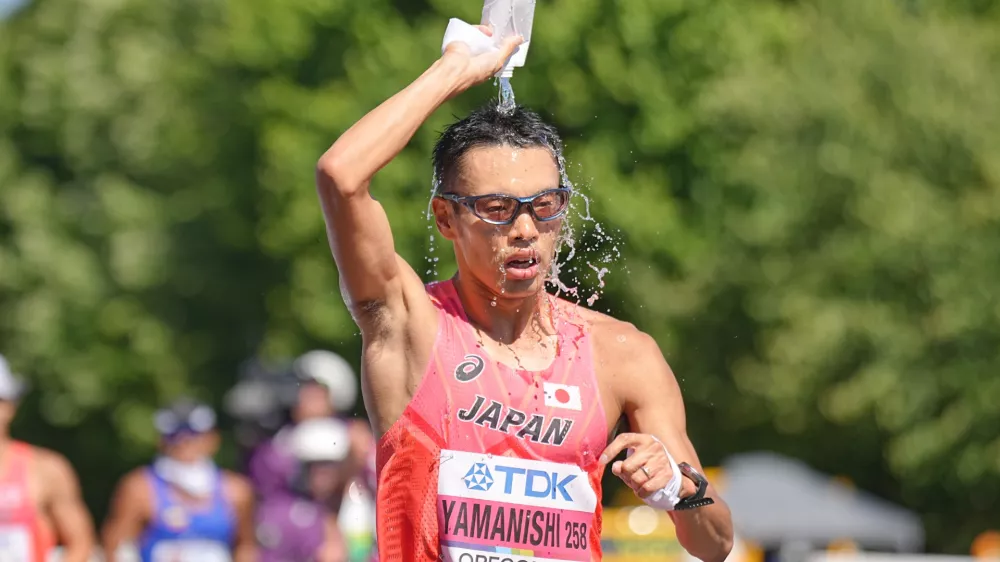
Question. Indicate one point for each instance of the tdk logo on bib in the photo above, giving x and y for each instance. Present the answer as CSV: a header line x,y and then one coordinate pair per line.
x,y
478,478
512,481
522,482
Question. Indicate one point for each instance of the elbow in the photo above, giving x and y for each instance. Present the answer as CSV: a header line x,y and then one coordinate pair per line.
x,y
334,176
713,545
724,549
720,550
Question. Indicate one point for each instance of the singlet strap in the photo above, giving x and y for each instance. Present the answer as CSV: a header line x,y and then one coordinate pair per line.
x,y
14,466
161,494
18,462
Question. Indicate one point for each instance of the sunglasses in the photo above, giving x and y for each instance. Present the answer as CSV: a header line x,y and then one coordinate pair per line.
x,y
503,209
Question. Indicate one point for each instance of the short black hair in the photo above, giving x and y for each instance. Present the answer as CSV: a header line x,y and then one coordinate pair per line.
x,y
492,125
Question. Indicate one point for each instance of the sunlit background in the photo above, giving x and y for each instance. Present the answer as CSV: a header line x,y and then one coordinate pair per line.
x,y
800,200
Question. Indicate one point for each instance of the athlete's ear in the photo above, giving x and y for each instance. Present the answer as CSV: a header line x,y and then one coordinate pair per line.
x,y
444,217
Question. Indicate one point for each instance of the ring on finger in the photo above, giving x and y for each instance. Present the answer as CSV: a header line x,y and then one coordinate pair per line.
x,y
646,471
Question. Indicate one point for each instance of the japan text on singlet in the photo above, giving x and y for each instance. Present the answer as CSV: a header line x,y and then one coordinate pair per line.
x,y
489,463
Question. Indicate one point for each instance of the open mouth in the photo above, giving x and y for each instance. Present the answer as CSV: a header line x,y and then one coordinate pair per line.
x,y
522,260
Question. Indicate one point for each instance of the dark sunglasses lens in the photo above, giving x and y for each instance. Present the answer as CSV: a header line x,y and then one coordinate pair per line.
x,y
550,204
496,208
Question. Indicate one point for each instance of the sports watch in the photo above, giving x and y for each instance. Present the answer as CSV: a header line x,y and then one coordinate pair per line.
x,y
697,499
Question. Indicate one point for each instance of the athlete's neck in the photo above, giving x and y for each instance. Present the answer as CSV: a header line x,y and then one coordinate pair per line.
x,y
5,442
504,319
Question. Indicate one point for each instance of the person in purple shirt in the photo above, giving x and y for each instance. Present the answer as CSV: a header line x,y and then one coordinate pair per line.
x,y
294,521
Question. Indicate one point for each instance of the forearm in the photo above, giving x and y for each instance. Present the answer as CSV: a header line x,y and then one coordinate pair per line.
x,y
78,550
116,535
705,532
245,552
380,135
110,545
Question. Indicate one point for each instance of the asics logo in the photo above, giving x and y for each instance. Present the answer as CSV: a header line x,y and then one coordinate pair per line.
x,y
469,369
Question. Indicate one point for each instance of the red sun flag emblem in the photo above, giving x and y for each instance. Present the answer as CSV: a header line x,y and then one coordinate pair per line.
x,y
565,396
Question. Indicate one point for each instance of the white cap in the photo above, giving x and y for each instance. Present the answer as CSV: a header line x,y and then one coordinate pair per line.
x,y
319,440
333,372
11,385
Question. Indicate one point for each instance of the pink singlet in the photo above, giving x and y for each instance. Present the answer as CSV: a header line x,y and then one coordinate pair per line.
x,y
490,463
24,535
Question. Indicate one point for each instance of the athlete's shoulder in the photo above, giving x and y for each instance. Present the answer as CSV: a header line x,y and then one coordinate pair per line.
x,y
621,343
51,463
135,481
238,487
234,478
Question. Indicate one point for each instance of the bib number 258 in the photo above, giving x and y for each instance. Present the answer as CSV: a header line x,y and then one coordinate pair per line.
x,y
576,535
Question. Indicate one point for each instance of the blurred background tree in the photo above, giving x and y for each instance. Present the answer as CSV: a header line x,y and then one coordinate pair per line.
x,y
805,196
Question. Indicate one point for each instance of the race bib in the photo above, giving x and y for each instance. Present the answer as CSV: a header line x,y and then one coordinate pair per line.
x,y
15,544
190,551
499,509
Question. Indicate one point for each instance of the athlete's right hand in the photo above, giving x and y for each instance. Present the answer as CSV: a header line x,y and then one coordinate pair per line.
x,y
477,69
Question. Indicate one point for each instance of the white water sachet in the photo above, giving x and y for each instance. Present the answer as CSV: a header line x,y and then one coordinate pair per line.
x,y
506,18
477,41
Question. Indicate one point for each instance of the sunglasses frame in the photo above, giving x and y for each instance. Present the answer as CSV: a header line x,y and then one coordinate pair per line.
x,y
469,201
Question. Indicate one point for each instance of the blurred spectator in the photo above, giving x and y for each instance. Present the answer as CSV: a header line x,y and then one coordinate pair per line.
x,y
183,508
325,385
295,521
40,502
325,388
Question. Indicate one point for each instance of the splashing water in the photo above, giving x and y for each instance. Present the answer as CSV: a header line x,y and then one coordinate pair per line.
x,y
431,258
507,102
595,247
583,259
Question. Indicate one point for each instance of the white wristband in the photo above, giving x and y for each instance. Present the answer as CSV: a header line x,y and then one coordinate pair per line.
x,y
665,498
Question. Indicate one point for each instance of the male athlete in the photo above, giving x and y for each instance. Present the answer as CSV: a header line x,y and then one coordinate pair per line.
x,y
183,508
40,503
494,400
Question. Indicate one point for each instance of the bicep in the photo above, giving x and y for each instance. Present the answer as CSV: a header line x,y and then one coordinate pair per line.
x,y
127,513
69,514
243,504
661,412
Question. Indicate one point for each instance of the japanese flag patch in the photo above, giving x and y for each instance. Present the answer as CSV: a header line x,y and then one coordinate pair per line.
x,y
562,396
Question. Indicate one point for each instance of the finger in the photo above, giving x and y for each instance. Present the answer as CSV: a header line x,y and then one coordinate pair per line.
x,y
638,458
509,44
486,29
620,443
652,485
628,478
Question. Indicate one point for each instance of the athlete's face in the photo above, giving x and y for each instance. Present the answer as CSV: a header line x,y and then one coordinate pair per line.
x,y
323,480
313,402
192,447
509,259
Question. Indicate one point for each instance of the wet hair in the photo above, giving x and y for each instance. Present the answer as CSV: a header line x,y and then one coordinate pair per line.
x,y
491,125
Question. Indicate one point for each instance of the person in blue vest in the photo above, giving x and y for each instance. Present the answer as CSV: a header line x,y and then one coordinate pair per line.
x,y
182,507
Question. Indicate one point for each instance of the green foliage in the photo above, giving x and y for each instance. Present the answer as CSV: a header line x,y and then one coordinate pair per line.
x,y
805,193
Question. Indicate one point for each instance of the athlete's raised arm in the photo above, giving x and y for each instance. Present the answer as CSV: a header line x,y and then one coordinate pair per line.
x,y
372,276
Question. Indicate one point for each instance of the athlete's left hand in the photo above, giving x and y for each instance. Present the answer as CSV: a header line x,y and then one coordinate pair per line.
x,y
647,470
